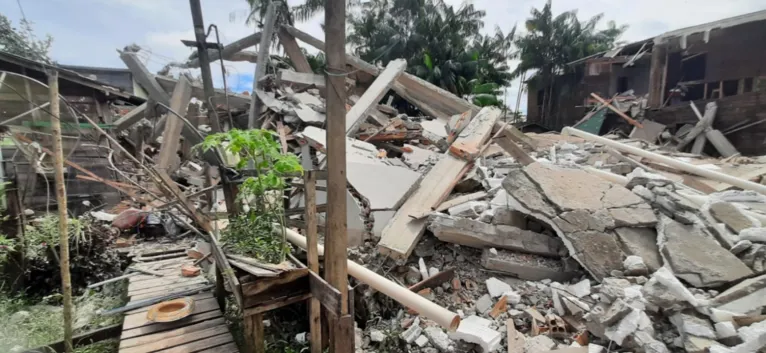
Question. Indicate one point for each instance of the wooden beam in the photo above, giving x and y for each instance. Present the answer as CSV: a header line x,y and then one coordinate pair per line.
x,y
171,135
256,342
300,78
315,310
293,51
508,145
429,98
263,62
516,135
145,78
130,118
617,111
402,233
229,51
701,126
369,100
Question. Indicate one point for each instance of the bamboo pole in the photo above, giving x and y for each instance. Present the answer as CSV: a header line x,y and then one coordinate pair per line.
x,y
61,200
425,307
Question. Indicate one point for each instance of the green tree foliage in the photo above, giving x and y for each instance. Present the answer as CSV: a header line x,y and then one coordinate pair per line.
x,y
553,41
441,43
22,41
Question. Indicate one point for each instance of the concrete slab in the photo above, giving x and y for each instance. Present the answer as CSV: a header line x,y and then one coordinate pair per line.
x,y
641,242
386,187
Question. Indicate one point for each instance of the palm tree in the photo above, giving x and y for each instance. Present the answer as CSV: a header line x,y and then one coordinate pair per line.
x,y
553,41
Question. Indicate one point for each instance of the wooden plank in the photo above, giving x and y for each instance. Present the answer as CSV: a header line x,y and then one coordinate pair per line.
x,y
145,78
617,111
139,319
254,337
369,100
138,285
518,153
139,341
162,292
197,297
169,287
196,346
179,340
226,348
517,136
428,97
228,51
253,270
402,232
294,52
264,284
276,304
343,337
315,310
452,202
130,118
515,339
434,280
260,68
149,329
301,78
171,135
323,293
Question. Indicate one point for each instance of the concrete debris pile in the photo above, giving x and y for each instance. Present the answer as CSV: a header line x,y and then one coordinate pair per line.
x,y
591,251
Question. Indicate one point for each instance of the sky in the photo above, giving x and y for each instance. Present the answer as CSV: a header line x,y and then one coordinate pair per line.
x,y
89,32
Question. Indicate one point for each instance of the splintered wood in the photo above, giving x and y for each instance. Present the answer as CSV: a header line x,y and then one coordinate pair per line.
x,y
403,231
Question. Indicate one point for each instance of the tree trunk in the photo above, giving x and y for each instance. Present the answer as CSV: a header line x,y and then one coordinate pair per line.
x,y
61,200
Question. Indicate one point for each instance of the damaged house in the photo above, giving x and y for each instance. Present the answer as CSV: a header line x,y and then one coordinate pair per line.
x,y
722,61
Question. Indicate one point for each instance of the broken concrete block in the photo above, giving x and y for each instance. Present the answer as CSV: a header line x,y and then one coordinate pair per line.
x,y
512,297
582,220
580,289
509,217
689,324
413,332
496,287
756,235
641,242
613,288
726,332
421,341
673,286
696,257
574,305
481,235
618,310
644,193
745,297
432,271
539,344
521,188
483,304
423,269
693,344
527,267
598,252
474,329
470,209
634,266
624,328
438,339
730,215
741,246
633,217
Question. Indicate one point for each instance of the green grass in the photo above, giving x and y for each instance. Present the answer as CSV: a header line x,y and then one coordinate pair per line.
x,y
43,323
108,346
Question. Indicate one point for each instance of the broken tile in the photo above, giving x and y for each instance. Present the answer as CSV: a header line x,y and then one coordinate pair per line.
x,y
730,215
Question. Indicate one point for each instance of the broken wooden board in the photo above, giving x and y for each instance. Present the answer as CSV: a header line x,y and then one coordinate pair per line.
x,y
403,232
228,51
516,135
145,78
649,133
171,135
130,118
301,78
373,95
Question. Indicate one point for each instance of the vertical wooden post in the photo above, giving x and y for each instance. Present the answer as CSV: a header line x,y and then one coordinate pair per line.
x,y
315,309
336,238
254,333
263,60
58,166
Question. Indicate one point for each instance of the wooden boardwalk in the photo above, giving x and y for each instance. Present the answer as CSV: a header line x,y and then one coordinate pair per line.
x,y
203,331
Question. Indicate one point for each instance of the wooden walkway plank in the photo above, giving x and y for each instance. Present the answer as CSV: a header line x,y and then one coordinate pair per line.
x,y
163,292
226,348
178,340
139,319
170,325
142,340
167,287
197,298
200,345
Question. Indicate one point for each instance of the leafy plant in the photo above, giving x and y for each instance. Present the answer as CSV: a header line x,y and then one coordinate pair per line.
x,y
252,233
23,41
6,247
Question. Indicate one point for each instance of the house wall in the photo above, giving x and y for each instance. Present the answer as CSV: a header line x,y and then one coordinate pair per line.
x,y
734,53
567,106
637,77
